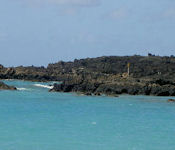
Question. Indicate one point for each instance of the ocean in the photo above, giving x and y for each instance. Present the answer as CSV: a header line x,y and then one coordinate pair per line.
x,y
34,119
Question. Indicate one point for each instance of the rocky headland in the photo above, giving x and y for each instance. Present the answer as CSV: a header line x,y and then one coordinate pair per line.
x,y
112,75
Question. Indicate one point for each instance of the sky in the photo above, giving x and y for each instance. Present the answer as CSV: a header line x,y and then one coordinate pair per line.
x,y
38,32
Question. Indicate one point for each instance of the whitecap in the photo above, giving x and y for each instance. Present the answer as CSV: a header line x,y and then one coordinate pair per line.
x,y
43,86
22,89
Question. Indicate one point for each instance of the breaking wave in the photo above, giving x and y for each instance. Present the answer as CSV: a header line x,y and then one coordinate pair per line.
x,y
43,86
22,89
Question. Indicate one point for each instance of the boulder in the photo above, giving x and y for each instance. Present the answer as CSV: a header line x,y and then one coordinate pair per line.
x,y
4,86
171,100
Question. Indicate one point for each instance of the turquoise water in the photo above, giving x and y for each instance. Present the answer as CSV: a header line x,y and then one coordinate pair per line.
x,y
34,119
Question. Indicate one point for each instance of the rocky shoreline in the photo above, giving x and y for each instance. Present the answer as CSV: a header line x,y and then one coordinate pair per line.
x,y
148,75
117,88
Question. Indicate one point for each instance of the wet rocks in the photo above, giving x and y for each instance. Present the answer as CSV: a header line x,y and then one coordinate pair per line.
x,y
171,100
4,86
152,75
115,88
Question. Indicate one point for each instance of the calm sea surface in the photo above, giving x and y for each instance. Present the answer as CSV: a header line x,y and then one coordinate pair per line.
x,y
34,119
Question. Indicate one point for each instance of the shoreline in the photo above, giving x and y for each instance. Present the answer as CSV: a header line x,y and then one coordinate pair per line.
x,y
115,89
85,93
148,75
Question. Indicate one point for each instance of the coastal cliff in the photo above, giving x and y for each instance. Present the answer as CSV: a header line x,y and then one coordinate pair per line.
x,y
148,75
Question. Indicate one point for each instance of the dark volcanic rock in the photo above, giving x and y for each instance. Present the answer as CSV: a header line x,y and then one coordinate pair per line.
x,y
88,94
4,86
171,100
160,68
149,75
141,66
166,90
124,87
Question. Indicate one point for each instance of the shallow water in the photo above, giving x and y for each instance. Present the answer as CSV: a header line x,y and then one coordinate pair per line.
x,y
34,119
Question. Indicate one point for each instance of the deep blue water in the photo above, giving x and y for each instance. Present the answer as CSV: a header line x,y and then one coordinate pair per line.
x,y
34,119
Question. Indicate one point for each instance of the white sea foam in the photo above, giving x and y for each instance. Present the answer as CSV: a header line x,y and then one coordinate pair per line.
x,y
9,79
22,89
43,86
